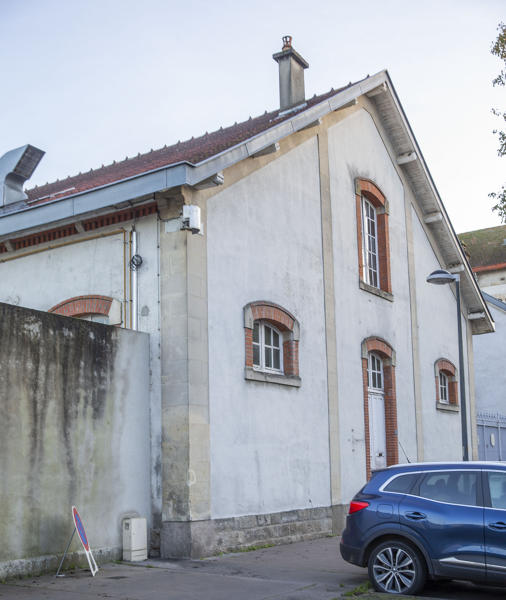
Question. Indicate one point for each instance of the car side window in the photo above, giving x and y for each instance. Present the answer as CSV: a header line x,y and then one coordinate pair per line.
x,y
454,487
402,484
497,486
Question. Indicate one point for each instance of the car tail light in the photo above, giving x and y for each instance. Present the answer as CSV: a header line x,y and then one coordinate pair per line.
x,y
356,505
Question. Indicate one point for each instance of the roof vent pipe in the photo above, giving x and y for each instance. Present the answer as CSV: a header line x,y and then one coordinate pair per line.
x,y
16,166
291,75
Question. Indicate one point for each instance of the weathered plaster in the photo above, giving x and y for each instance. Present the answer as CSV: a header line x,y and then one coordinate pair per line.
x,y
74,430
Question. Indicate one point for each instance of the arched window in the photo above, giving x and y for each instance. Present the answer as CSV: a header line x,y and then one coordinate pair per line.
x,y
447,390
93,307
380,404
271,337
373,239
370,243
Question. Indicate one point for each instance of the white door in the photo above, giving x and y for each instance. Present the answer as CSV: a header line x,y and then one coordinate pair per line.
x,y
376,398
377,430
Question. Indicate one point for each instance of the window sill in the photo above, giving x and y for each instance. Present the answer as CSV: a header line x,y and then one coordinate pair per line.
x,y
376,291
253,375
447,407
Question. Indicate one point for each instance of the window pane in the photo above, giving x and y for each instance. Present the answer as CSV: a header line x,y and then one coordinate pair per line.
x,y
497,484
268,357
402,484
275,339
256,355
276,359
267,335
256,332
370,243
455,487
443,388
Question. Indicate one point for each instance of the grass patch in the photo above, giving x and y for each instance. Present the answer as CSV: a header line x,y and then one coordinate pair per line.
x,y
361,589
253,548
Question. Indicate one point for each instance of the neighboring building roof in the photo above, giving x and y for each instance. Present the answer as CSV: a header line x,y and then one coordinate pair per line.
x,y
192,151
485,247
495,301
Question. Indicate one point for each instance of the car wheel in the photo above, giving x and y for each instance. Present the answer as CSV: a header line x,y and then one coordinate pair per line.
x,y
396,568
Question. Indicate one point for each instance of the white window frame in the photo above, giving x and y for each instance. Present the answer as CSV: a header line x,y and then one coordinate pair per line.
x,y
444,388
370,243
372,370
263,346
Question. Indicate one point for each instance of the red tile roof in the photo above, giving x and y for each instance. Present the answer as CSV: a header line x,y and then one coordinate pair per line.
x,y
193,151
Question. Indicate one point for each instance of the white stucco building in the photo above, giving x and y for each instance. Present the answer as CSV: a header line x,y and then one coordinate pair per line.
x,y
294,341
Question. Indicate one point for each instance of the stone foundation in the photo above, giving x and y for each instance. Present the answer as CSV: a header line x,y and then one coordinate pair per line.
x,y
196,539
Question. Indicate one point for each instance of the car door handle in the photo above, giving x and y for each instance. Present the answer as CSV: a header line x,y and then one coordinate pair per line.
x,y
415,516
498,525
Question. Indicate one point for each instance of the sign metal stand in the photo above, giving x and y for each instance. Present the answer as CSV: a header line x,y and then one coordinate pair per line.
x,y
79,527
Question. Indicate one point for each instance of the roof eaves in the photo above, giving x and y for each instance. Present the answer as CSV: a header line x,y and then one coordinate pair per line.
x,y
487,323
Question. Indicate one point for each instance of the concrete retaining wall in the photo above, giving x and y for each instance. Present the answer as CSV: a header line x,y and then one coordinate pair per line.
x,y
74,430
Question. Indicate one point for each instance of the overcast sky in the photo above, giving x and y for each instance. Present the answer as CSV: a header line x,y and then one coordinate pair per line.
x,y
92,81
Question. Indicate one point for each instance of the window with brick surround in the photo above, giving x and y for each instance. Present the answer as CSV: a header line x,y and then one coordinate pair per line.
x,y
447,387
271,336
92,307
378,373
373,239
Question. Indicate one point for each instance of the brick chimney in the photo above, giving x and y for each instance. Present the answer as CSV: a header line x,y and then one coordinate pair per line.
x,y
291,75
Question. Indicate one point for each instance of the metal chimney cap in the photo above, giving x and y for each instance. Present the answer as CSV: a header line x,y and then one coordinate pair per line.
x,y
287,42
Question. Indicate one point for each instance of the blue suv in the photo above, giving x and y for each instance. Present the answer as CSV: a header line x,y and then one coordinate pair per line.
x,y
429,520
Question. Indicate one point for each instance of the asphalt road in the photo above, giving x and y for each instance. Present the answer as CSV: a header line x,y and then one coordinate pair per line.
x,y
303,571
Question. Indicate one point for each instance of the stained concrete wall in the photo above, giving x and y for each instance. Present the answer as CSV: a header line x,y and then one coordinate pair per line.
x,y
74,430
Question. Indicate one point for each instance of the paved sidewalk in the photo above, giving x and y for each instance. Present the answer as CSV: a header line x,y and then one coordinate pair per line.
x,y
304,571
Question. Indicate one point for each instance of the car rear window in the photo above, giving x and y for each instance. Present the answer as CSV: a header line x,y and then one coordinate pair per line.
x,y
455,487
402,484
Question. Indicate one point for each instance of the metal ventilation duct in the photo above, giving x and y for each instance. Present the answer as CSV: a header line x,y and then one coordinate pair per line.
x,y
16,166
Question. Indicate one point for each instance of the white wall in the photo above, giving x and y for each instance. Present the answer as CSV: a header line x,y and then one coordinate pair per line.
x,y
490,374
96,266
46,278
357,150
269,443
436,306
494,283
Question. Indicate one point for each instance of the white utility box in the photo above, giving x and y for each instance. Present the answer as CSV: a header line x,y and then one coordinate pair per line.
x,y
135,539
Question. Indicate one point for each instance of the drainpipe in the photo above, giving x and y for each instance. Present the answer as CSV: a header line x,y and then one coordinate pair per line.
x,y
134,281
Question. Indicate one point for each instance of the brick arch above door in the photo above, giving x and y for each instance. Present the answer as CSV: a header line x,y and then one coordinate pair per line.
x,y
382,348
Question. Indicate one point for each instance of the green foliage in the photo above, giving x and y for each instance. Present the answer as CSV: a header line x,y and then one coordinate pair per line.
x,y
499,49
361,589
